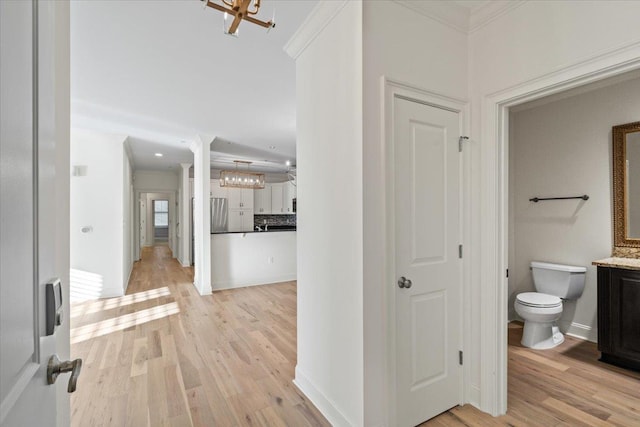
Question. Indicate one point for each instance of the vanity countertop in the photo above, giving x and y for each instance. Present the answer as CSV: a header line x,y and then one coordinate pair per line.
x,y
617,262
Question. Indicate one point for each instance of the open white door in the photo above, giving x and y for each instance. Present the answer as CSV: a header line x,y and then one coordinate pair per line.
x,y
28,213
428,269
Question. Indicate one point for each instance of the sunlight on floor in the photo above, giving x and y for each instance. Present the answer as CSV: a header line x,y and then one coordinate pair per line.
x,y
84,285
119,323
111,303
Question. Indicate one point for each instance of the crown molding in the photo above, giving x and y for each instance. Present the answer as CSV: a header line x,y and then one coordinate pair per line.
x,y
461,18
491,11
321,15
445,12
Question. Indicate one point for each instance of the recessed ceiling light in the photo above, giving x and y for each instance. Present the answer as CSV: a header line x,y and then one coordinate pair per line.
x,y
272,147
158,154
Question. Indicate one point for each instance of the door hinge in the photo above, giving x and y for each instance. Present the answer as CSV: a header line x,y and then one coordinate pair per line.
x,y
460,251
460,140
507,272
460,357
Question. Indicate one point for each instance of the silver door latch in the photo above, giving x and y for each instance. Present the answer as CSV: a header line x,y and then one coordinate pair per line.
x,y
55,367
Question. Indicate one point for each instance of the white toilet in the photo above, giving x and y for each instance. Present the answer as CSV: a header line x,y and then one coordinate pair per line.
x,y
541,309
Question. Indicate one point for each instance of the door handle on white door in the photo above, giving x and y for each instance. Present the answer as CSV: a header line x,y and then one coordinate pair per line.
x,y
403,282
56,367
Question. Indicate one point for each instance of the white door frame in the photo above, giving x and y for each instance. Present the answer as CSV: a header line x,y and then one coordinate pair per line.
x,y
390,89
493,249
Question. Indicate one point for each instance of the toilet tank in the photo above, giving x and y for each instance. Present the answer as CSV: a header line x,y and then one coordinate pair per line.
x,y
564,281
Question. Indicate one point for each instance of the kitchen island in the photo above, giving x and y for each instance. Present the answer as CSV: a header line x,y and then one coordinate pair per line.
x,y
241,259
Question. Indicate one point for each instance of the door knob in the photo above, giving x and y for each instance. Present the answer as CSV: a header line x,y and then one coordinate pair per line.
x,y
56,367
403,282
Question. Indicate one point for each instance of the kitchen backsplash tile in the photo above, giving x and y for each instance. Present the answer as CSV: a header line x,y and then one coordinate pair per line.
x,y
274,219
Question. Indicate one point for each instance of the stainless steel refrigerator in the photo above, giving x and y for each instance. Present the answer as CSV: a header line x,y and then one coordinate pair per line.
x,y
219,215
219,219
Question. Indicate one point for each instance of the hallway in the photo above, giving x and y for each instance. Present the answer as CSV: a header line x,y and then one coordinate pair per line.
x,y
164,356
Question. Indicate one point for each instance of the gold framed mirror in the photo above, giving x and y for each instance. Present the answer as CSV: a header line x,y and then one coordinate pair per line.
x,y
626,188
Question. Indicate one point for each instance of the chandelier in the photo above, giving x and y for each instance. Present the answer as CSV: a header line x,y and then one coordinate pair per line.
x,y
239,9
241,178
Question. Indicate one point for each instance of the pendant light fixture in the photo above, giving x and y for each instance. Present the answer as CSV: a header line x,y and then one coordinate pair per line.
x,y
241,178
240,10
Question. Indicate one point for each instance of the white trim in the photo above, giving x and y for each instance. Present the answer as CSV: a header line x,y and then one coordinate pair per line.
x,y
390,89
491,11
493,248
321,15
460,18
221,286
580,331
445,12
324,404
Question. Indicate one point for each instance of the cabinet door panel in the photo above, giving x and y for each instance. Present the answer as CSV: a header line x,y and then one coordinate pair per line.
x,y
277,205
626,319
235,221
235,198
247,198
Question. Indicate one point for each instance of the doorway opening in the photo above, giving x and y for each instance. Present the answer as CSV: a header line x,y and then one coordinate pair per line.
x,y
161,221
559,147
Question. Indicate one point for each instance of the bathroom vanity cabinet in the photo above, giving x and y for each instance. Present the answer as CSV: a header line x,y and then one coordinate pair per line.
x,y
619,316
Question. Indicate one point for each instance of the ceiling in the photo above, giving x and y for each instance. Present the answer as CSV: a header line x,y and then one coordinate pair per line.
x,y
163,72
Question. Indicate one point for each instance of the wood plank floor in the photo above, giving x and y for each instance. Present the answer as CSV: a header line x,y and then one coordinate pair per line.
x,y
164,356
564,386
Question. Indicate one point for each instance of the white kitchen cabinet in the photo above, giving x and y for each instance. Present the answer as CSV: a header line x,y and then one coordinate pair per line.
x,y
240,198
289,193
282,195
277,199
240,220
217,191
262,200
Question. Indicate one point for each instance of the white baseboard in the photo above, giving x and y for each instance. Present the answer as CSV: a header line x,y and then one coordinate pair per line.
x,y
224,285
473,395
324,405
581,331
185,264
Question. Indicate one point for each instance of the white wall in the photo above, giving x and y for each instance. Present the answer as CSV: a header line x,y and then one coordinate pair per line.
x,y
330,286
558,149
155,180
97,201
410,48
246,259
535,46
127,214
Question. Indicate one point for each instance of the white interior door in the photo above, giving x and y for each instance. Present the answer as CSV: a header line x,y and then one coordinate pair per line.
x,y
427,230
28,214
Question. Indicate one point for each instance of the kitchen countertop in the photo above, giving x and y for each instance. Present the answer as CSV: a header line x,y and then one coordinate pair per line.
x,y
617,262
254,231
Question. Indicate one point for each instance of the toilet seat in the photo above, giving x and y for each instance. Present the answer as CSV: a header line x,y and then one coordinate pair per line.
x,y
538,300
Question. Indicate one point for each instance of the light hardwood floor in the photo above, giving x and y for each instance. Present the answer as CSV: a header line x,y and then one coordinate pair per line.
x,y
165,356
564,386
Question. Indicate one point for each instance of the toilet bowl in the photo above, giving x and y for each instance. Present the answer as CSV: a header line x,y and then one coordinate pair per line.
x,y
540,310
